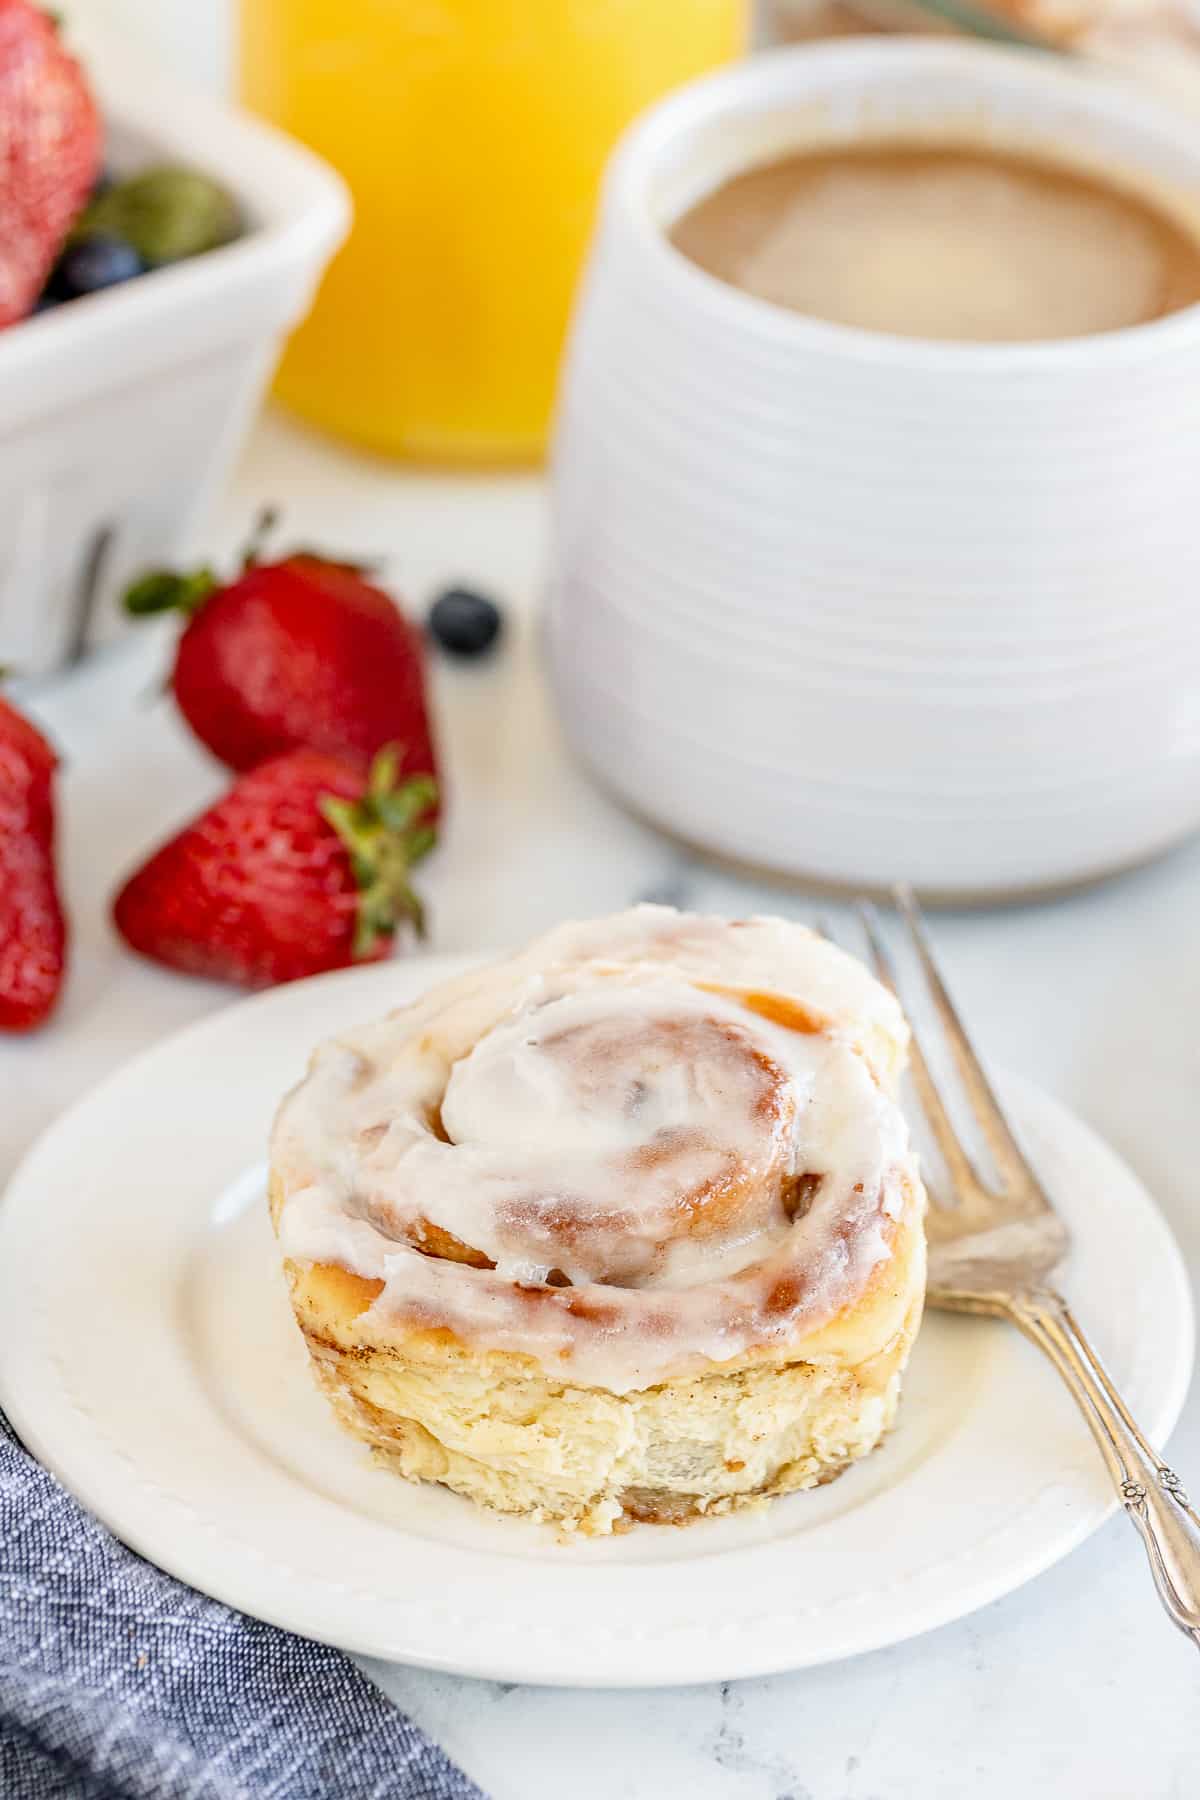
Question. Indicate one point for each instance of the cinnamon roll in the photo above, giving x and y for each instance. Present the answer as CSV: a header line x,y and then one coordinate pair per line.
x,y
626,1227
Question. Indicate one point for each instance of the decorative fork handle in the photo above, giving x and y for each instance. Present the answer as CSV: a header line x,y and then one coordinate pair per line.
x,y
1152,1494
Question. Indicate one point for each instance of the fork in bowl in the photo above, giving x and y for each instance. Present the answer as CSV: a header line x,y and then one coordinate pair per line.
x,y
995,1249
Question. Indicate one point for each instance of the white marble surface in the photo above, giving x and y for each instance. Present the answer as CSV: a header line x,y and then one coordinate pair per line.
x,y
1075,1686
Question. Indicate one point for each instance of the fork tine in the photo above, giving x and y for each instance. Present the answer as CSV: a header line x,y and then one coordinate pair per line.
x,y
961,1169
1010,1158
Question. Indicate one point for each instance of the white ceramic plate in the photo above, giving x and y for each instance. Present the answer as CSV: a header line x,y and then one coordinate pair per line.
x,y
148,1354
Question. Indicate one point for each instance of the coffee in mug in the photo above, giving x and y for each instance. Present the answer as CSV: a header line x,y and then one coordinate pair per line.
x,y
945,241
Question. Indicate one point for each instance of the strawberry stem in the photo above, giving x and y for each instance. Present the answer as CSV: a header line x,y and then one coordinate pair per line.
x,y
260,531
385,834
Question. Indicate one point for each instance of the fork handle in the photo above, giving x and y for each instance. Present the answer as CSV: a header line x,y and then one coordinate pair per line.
x,y
1151,1493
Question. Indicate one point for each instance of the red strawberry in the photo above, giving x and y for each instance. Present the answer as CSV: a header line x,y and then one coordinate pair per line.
x,y
303,866
33,937
302,652
50,137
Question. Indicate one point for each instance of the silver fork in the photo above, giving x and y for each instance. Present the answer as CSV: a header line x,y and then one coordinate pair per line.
x,y
995,1252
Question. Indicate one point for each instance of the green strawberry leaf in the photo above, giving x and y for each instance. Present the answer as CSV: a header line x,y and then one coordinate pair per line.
x,y
385,834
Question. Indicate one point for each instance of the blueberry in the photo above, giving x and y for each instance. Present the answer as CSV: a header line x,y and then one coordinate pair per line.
x,y
94,262
463,622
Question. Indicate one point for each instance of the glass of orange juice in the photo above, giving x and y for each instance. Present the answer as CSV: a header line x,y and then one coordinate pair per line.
x,y
472,134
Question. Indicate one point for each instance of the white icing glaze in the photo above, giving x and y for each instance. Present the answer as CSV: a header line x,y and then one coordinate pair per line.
x,y
628,1107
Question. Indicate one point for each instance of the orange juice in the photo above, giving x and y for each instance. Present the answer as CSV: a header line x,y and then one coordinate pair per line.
x,y
473,134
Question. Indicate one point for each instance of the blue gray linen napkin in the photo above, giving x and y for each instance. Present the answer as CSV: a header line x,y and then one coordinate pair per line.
x,y
119,1683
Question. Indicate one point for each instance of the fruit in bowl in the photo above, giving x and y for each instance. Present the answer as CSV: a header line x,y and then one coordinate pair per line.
x,y
66,230
51,141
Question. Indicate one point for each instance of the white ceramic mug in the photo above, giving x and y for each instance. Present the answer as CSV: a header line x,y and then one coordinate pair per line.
x,y
861,607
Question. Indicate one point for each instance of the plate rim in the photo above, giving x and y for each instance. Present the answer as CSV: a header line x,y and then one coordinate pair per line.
x,y
251,1581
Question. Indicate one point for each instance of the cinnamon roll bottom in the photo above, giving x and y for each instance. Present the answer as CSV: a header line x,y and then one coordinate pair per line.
x,y
510,1437
624,1229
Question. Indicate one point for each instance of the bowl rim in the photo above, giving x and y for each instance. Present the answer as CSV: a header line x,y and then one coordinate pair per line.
x,y
767,81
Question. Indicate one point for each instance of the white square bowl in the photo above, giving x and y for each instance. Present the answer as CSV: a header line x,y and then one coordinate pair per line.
x,y
121,413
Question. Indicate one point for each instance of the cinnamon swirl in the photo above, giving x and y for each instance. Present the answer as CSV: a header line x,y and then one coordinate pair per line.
x,y
624,1227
